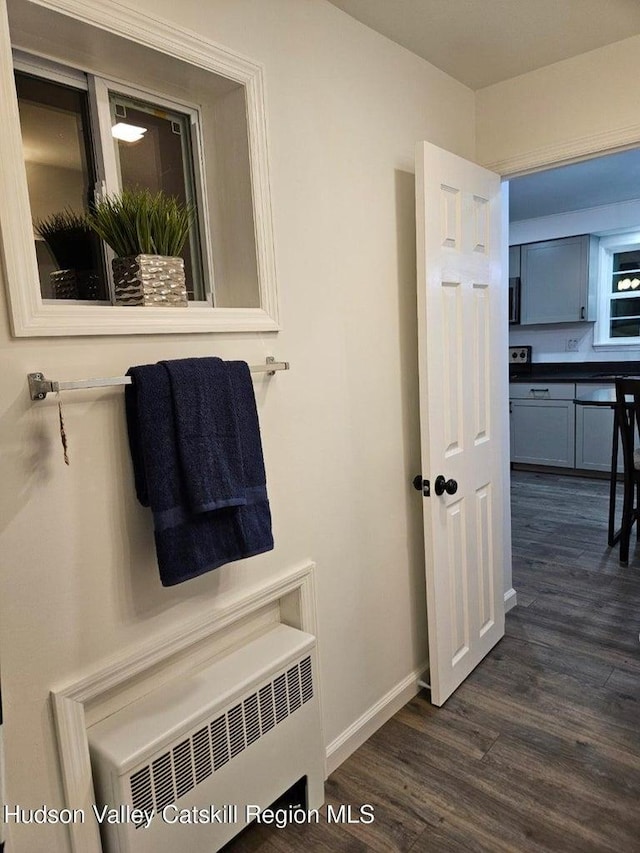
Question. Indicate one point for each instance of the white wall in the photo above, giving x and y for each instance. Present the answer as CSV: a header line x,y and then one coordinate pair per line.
x,y
568,109
79,583
561,107
550,342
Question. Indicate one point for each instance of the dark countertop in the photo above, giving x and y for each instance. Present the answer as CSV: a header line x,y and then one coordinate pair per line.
x,y
591,371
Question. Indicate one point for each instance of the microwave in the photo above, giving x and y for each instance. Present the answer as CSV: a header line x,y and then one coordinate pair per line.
x,y
514,300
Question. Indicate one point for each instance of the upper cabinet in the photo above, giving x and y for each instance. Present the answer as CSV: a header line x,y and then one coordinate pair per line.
x,y
514,261
558,280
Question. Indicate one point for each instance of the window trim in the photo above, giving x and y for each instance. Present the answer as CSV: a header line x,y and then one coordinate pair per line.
x,y
609,246
30,314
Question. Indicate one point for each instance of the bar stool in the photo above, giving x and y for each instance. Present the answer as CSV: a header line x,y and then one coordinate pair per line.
x,y
628,417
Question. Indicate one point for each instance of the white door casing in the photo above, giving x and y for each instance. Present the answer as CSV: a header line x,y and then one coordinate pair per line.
x,y
462,352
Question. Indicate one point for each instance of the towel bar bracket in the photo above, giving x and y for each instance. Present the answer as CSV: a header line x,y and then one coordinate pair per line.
x,y
39,386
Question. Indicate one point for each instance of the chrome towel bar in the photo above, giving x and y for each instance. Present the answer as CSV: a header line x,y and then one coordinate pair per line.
x,y
39,387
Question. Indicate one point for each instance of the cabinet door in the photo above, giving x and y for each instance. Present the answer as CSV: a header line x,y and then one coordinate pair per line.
x,y
514,261
594,433
554,281
543,432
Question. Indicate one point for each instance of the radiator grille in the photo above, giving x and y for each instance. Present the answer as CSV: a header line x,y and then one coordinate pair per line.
x,y
141,790
177,771
267,718
293,688
236,730
306,678
202,755
219,742
251,718
163,781
183,768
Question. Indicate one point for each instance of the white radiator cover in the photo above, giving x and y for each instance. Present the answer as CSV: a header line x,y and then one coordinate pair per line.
x,y
239,732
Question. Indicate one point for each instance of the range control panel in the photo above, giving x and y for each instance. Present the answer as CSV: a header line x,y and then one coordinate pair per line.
x,y
519,355
519,360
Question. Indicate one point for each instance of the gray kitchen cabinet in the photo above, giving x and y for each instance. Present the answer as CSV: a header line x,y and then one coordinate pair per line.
x,y
594,433
542,421
558,280
514,261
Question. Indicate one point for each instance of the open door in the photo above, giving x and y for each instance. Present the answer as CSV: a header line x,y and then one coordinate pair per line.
x,y
462,352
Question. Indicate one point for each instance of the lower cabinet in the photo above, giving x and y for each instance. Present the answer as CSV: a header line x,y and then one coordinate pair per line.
x,y
548,428
543,432
594,432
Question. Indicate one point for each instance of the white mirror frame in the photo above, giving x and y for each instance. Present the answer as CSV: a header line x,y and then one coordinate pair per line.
x,y
30,315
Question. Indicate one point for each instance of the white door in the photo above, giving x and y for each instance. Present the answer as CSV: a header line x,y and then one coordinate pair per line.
x,y
462,329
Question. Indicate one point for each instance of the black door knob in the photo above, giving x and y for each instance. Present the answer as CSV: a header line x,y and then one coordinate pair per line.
x,y
441,486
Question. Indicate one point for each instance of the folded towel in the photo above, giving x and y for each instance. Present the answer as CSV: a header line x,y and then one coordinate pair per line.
x,y
191,543
206,433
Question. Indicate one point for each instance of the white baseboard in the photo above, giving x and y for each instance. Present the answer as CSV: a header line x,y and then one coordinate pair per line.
x,y
510,599
377,715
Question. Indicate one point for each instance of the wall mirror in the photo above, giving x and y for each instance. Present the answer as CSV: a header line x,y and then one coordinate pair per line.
x,y
92,111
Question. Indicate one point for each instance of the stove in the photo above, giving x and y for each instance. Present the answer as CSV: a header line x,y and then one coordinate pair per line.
x,y
519,362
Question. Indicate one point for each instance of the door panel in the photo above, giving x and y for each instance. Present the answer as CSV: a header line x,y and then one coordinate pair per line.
x,y
452,335
462,350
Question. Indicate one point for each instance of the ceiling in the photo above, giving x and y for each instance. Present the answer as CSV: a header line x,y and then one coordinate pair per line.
x,y
603,180
481,42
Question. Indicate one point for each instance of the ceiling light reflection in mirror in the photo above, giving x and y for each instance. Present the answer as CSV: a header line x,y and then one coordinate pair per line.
x,y
127,132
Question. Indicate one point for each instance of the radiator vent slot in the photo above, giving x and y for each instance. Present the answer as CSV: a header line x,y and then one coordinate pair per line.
x,y
267,715
141,790
236,730
280,693
219,742
293,689
163,782
251,718
176,772
202,755
307,679
183,768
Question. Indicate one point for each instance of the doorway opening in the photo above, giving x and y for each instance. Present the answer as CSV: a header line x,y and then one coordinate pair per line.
x,y
574,236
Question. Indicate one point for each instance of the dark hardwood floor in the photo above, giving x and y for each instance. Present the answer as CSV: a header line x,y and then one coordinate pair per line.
x,y
539,749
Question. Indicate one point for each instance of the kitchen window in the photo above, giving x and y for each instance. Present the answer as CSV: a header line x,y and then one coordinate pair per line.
x,y
619,282
200,114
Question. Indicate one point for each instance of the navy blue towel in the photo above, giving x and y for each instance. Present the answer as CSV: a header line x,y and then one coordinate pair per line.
x,y
190,543
207,437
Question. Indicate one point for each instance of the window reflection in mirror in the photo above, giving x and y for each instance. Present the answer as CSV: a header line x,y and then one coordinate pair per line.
x,y
59,161
154,88
154,150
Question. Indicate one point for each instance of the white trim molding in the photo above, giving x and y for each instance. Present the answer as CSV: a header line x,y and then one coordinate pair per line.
x,y
292,591
30,315
510,599
561,153
373,718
